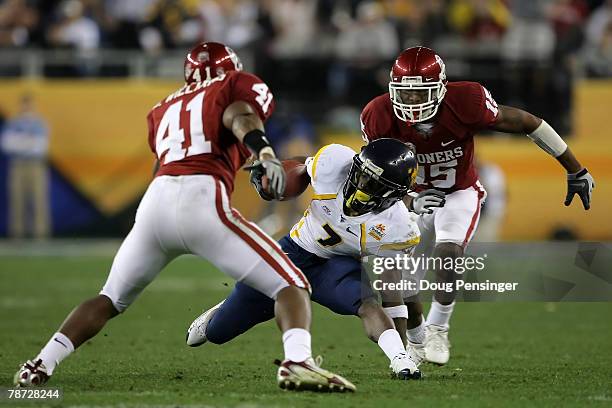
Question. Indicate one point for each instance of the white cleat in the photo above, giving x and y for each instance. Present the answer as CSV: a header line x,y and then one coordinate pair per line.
x,y
416,352
403,368
196,334
436,344
308,375
31,374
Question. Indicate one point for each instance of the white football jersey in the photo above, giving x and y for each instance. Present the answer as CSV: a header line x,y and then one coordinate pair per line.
x,y
325,230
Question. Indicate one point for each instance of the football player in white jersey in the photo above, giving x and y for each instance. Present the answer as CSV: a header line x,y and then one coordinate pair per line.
x,y
356,212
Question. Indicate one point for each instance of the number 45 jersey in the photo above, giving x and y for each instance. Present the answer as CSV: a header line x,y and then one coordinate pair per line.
x,y
325,230
186,129
444,146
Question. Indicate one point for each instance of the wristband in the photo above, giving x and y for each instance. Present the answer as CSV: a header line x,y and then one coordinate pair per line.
x,y
574,176
256,141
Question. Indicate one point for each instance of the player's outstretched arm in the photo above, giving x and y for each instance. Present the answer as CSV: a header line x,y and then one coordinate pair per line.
x,y
579,180
244,122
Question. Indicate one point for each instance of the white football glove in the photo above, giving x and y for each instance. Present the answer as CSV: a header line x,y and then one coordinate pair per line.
x,y
272,168
426,201
276,176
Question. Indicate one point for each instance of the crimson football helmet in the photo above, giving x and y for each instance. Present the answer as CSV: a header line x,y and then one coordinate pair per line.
x,y
418,84
208,60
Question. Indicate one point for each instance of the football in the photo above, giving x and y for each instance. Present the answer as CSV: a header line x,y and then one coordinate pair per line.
x,y
297,179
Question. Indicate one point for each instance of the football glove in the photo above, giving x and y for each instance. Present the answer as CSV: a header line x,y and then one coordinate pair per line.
x,y
580,183
426,201
273,170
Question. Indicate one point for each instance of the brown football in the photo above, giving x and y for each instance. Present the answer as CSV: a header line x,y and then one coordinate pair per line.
x,y
296,179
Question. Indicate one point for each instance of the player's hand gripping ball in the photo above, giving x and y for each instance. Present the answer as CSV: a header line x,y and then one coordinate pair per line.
x,y
296,180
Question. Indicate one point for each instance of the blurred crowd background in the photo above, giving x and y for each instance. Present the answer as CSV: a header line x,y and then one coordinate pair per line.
x,y
528,51
323,59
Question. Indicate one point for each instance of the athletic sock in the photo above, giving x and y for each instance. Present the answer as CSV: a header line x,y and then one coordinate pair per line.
x,y
57,349
416,335
439,314
391,343
296,343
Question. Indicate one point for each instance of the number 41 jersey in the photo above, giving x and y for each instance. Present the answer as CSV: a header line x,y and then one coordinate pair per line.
x,y
325,230
186,129
445,146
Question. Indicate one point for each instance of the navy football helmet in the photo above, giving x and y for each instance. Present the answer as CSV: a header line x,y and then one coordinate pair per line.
x,y
382,174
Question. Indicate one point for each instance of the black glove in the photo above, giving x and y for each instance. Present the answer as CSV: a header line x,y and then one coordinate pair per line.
x,y
273,170
580,183
426,200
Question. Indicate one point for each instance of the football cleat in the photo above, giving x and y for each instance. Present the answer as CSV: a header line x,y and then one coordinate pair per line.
x,y
436,344
309,376
196,334
416,352
31,374
403,368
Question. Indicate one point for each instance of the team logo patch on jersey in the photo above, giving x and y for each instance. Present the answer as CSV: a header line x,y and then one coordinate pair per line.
x,y
377,231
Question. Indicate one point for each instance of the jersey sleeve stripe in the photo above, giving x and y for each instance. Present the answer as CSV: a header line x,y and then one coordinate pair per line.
x,y
398,246
364,135
362,239
295,232
324,196
316,160
268,250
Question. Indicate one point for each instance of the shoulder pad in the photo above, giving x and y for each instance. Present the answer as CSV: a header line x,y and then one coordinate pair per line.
x,y
376,118
329,168
466,100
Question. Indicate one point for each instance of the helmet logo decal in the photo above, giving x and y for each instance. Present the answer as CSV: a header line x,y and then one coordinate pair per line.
x,y
203,56
412,80
371,167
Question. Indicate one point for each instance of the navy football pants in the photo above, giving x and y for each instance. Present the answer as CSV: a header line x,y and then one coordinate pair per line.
x,y
336,284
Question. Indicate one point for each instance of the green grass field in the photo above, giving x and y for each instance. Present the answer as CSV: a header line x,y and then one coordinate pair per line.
x,y
504,354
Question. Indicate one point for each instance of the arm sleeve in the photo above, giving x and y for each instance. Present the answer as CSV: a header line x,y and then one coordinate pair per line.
x,y
249,88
